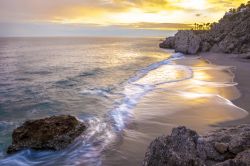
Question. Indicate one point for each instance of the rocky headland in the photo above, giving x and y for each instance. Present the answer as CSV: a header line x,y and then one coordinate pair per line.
x,y
184,147
230,35
225,146
53,133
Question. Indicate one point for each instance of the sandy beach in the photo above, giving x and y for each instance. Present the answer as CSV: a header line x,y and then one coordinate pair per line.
x,y
108,82
242,77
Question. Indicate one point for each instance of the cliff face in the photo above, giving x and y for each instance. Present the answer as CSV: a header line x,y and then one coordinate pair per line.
x,y
230,35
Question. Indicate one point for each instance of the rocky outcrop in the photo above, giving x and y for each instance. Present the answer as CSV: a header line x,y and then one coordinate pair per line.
x,y
230,35
168,43
53,133
187,42
184,147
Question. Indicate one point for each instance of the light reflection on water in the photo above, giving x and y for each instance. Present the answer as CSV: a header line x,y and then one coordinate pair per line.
x,y
128,91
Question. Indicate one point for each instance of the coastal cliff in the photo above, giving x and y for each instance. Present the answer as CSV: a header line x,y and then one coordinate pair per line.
x,y
230,35
228,146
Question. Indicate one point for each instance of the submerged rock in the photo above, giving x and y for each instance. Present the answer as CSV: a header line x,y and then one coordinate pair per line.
x,y
184,147
53,133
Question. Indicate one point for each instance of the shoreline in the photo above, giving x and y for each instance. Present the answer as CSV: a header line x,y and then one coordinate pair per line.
x,y
242,77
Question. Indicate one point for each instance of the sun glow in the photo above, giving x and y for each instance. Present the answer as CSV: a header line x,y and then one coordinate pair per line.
x,y
202,75
193,4
193,95
137,15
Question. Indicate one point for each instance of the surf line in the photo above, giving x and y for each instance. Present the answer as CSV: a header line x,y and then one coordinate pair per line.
x,y
143,82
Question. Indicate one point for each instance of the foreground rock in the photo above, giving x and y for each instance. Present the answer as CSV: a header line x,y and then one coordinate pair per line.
x,y
184,147
53,133
230,35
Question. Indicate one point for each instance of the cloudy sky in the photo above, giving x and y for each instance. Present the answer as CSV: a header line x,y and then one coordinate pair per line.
x,y
106,17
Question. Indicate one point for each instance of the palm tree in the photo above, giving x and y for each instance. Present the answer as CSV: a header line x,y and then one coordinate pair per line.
x,y
200,27
204,26
195,25
208,26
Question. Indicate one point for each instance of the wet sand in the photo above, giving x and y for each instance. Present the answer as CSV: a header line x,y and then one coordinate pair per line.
x,y
201,102
242,77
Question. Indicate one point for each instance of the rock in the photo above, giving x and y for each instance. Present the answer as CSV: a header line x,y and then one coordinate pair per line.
x,y
227,146
242,159
221,147
215,48
187,42
205,46
53,133
177,149
246,56
168,43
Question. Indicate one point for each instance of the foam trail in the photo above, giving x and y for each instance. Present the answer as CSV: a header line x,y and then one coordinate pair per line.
x,y
153,66
143,82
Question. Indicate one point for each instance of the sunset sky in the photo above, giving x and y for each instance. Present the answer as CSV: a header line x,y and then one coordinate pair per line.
x,y
106,17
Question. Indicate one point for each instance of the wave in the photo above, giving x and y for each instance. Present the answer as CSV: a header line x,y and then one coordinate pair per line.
x,y
104,92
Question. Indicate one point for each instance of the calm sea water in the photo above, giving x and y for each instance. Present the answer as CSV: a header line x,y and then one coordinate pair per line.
x,y
128,90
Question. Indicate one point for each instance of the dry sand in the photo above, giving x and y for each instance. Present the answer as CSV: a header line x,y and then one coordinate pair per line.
x,y
242,77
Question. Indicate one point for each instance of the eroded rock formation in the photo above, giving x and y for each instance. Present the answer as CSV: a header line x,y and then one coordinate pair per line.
x,y
184,147
53,133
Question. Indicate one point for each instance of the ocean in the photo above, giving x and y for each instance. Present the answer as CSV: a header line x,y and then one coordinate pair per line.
x,y
128,90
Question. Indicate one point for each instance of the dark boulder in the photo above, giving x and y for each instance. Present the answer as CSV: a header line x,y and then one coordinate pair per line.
x,y
177,149
242,159
53,133
168,43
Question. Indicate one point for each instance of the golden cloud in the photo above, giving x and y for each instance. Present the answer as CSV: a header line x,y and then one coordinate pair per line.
x,y
136,13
